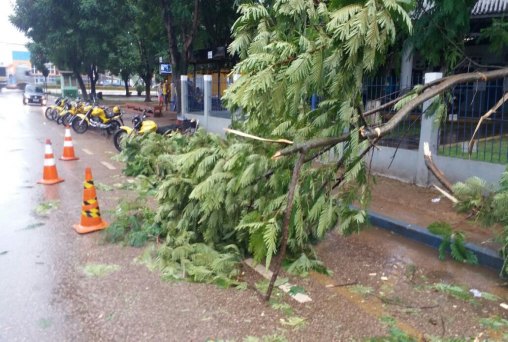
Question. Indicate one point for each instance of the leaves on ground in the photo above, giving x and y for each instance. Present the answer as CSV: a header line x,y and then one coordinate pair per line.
x,y
295,289
361,290
495,323
284,307
269,338
293,321
99,270
104,187
455,291
44,208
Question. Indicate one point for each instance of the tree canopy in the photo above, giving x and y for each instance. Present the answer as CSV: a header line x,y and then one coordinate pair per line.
x,y
74,34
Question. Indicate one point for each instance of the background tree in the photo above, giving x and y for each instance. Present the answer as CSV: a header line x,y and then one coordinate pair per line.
x,y
75,34
194,24
149,39
39,59
440,28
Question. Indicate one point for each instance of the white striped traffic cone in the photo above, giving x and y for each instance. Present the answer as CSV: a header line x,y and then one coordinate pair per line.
x,y
50,175
68,150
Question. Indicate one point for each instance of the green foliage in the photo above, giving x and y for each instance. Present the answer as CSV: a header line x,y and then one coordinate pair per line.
x,y
394,333
361,290
133,223
99,270
217,192
453,290
440,29
486,205
45,208
497,34
495,323
72,34
270,338
293,321
454,241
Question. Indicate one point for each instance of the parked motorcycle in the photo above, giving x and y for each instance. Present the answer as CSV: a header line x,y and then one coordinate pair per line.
x,y
99,117
143,126
53,111
71,109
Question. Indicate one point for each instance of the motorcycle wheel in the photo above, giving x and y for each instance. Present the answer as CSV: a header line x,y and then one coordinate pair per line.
x,y
113,127
59,120
67,119
79,125
49,114
118,139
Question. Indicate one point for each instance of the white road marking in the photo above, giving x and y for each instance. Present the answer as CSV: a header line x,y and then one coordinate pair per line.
x,y
87,151
299,297
108,165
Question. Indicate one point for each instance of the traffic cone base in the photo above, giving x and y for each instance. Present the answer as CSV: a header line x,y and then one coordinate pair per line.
x,y
49,174
68,150
91,220
88,229
50,182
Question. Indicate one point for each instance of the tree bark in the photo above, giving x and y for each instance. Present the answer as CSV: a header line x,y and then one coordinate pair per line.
x,y
442,86
82,86
93,76
287,219
126,85
179,59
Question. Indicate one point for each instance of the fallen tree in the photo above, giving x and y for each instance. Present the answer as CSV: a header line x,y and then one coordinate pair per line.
x,y
246,190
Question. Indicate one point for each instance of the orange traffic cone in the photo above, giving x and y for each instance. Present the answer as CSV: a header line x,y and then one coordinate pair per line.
x,y
50,175
90,214
68,151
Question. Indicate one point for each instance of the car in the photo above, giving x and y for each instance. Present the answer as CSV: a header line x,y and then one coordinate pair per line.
x,y
34,94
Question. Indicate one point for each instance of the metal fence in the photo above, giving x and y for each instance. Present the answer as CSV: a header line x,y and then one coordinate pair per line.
x,y
466,104
195,96
380,90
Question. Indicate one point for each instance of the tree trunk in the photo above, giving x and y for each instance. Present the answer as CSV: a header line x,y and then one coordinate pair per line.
x,y
126,84
287,220
82,86
179,59
93,75
148,83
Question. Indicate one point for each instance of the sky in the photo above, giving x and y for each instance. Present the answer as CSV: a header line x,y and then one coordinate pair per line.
x,y
10,38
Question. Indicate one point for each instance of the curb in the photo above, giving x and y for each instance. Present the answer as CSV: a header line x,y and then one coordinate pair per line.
x,y
486,257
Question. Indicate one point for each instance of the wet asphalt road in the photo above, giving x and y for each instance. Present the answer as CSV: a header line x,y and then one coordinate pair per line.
x,y
36,250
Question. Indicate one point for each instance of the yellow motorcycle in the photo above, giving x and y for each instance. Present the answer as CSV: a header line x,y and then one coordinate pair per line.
x,y
71,109
143,126
98,117
53,111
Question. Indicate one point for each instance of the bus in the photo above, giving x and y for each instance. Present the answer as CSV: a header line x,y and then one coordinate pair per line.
x,y
3,77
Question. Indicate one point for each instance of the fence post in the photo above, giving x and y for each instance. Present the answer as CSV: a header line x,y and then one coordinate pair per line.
x,y
406,68
428,133
207,97
184,94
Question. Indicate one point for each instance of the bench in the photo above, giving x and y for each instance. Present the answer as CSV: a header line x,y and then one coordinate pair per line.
x,y
155,109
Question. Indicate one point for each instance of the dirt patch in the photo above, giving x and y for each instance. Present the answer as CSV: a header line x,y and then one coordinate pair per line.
x,y
414,205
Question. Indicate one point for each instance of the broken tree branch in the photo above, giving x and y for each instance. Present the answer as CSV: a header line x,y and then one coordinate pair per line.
x,y
285,224
250,136
434,169
485,117
445,194
447,83
308,145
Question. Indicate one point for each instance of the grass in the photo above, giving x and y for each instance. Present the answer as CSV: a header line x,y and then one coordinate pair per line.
x,y
493,150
